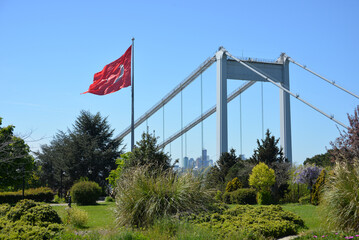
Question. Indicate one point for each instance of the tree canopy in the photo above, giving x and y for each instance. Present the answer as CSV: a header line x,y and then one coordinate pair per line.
x,y
15,159
87,150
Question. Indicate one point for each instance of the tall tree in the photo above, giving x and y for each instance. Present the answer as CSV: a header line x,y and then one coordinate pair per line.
x,y
216,176
147,152
268,152
346,146
16,162
88,150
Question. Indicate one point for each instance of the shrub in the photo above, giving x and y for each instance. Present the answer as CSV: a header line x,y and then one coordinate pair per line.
x,y
142,197
218,195
30,220
318,188
244,196
251,222
262,178
264,198
340,199
226,197
233,185
33,213
57,199
76,217
109,199
4,208
305,199
85,192
307,174
43,194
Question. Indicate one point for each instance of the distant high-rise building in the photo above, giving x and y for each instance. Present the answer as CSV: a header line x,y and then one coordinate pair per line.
x,y
191,163
185,162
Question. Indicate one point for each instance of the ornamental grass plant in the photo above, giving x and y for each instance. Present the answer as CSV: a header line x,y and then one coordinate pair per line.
x,y
340,201
143,196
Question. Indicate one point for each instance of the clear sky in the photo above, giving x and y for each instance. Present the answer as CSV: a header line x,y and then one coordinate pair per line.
x,y
51,49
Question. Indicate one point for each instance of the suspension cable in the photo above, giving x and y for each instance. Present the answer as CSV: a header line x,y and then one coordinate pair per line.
x,y
240,122
325,79
284,89
262,111
163,121
201,112
181,126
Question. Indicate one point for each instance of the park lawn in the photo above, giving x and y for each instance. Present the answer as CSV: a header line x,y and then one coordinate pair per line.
x,y
309,213
100,216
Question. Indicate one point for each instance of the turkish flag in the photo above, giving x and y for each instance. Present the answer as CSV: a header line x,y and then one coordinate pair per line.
x,y
113,76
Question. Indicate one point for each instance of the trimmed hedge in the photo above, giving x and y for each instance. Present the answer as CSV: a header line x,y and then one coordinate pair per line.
x,y
268,221
240,196
43,194
85,192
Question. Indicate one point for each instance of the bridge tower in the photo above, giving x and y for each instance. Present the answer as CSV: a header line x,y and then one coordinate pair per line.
x,y
230,69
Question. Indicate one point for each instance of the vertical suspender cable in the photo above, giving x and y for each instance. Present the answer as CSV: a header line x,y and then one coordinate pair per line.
x,y
202,121
240,122
163,122
202,112
181,126
262,110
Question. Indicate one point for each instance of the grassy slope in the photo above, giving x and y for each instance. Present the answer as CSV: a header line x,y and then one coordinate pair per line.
x,y
309,213
100,216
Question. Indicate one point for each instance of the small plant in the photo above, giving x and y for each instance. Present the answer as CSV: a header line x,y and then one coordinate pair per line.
x,y
76,217
57,199
85,192
233,185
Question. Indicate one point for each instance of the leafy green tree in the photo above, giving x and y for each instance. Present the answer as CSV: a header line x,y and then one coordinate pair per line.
x,y
320,160
116,173
87,151
15,159
216,176
148,153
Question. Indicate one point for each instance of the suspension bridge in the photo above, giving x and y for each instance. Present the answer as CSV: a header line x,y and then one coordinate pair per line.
x,y
250,70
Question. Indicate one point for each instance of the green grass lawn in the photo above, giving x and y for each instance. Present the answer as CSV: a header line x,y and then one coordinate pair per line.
x,y
100,215
309,213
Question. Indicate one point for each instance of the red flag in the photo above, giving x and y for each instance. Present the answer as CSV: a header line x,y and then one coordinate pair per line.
x,y
113,76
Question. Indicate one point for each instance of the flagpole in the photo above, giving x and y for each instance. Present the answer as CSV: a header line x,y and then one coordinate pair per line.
x,y
133,91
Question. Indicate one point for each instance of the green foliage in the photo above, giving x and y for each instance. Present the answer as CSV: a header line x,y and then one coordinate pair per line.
x,y
87,150
15,159
216,176
30,220
57,199
109,199
218,196
115,174
85,192
142,197
4,208
233,185
241,170
318,188
262,177
295,190
267,151
264,197
305,199
148,153
76,217
240,196
320,160
340,197
267,221
43,194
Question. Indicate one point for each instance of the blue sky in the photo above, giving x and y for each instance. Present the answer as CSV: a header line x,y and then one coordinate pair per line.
x,y
51,49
